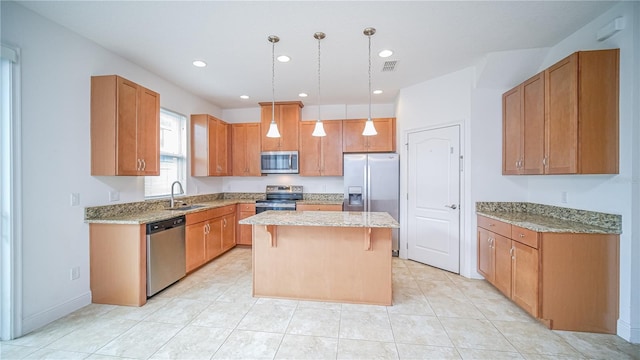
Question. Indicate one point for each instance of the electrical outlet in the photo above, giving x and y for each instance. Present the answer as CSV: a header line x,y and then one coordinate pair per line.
x,y
75,199
75,273
564,197
114,195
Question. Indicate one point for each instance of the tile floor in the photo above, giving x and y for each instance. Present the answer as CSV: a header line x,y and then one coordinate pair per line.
x,y
212,315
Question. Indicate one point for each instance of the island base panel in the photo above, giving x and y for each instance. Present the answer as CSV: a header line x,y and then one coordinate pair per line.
x,y
323,264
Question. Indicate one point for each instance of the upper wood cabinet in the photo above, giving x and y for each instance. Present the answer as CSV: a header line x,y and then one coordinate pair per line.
x,y
354,141
125,128
287,115
321,155
245,147
565,119
523,124
209,146
581,124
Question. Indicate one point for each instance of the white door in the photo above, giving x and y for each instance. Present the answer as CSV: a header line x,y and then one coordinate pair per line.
x,y
434,197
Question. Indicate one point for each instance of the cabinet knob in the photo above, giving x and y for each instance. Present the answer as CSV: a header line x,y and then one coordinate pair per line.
x,y
521,235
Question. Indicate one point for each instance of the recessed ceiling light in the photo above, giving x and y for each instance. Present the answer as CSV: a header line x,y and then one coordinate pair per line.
x,y
303,94
244,97
199,63
385,53
283,58
377,92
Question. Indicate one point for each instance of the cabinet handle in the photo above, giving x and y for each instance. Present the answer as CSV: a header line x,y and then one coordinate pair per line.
x,y
521,235
224,221
139,165
544,161
492,225
511,253
144,164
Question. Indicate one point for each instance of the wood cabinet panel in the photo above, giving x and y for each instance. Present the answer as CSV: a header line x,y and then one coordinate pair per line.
x,y
125,127
287,115
354,141
495,226
207,235
195,236
245,147
512,131
524,290
213,243
525,236
209,146
318,207
486,262
503,264
228,231
243,232
321,156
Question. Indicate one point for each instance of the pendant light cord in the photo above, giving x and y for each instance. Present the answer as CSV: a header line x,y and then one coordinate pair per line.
x,y
319,38
273,82
369,36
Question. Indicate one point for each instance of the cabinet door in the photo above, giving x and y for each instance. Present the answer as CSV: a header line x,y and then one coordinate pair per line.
x,y
228,232
199,154
352,139
269,144
533,125
148,132
486,265
213,244
212,138
253,144
511,131
195,245
127,110
239,149
222,152
331,162
310,149
502,252
561,122
244,231
385,140
288,126
524,291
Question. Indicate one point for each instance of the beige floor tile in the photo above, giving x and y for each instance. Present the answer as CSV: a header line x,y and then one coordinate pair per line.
x,y
358,325
601,346
420,330
415,352
396,262
480,290
552,357
445,306
47,334
315,322
222,315
502,310
238,293
205,291
534,338
428,273
320,305
475,354
104,357
362,349
141,341
364,308
178,311
274,301
91,337
297,347
475,334
137,312
193,342
410,302
14,351
432,288
249,345
267,318
56,354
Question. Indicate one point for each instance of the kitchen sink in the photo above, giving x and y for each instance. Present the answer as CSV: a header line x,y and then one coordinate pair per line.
x,y
186,207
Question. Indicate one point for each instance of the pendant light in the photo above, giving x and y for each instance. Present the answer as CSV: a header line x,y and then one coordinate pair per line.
x,y
273,127
369,128
319,128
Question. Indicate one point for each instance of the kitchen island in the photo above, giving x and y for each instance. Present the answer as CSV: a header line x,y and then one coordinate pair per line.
x,y
323,255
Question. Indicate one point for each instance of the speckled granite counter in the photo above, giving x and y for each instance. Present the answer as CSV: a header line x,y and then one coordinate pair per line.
x,y
323,218
320,202
553,219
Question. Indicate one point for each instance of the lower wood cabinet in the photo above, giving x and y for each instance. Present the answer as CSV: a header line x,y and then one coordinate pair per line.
x,y
244,232
568,281
209,234
318,207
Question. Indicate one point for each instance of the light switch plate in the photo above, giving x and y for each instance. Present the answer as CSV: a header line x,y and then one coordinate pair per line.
x,y
75,199
114,195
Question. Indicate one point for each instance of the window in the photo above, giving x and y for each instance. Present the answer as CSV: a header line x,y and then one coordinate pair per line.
x,y
173,155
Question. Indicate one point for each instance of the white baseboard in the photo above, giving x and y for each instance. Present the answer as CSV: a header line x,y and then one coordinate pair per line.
x,y
42,318
628,333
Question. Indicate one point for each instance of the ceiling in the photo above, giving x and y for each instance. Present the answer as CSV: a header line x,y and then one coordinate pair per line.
x,y
428,38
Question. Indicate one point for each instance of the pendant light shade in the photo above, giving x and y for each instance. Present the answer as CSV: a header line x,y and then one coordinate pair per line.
x,y
273,127
318,130
369,128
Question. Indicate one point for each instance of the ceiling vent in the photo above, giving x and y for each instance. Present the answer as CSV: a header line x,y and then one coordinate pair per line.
x,y
389,65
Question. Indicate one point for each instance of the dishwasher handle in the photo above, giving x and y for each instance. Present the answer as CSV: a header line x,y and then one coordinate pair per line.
x,y
167,224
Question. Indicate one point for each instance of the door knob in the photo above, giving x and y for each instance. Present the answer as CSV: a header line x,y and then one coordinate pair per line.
x,y
452,206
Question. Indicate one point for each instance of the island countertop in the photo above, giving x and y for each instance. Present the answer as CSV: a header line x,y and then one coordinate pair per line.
x,y
323,218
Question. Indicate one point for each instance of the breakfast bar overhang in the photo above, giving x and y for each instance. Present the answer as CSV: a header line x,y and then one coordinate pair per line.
x,y
323,256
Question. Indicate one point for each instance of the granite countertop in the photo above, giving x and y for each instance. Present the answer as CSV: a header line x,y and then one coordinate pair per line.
x,y
323,218
552,219
160,214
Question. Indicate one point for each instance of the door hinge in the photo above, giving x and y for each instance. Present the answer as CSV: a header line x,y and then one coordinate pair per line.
x,y
461,163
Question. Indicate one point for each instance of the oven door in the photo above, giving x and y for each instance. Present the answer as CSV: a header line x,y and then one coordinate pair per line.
x,y
278,206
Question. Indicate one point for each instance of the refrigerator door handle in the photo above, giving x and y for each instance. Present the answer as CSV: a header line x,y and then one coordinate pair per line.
x,y
368,185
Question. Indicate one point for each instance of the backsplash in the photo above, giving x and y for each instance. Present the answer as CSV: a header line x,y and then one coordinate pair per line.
x,y
324,197
607,221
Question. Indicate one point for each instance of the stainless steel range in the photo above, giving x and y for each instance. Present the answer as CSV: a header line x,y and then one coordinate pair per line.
x,y
280,197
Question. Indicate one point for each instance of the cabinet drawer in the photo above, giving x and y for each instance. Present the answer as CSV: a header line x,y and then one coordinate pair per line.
x,y
495,226
247,207
222,211
196,217
525,236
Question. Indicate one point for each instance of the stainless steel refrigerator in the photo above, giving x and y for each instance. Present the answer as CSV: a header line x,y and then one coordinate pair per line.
x,y
372,183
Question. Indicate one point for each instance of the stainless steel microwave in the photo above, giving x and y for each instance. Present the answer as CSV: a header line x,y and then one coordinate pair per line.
x,y
279,162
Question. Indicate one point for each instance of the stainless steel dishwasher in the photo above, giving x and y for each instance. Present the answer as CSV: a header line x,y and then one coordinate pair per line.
x,y
166,261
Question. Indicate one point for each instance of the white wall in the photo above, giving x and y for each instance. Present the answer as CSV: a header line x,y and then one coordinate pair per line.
x,y
56,69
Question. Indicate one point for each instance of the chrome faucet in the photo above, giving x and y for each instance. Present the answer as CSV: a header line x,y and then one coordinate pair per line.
x,y
173,201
